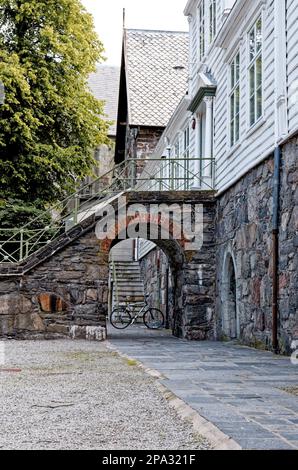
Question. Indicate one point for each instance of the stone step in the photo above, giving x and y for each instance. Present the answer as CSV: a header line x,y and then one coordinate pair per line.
x,y
125,263
129,282
123,272
130,291
130,287
127,270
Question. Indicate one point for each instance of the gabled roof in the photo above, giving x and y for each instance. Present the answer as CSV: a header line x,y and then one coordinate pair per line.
x,y
156,65
104,84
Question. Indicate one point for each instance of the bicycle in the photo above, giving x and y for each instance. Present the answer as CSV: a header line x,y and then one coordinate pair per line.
x,y
123,316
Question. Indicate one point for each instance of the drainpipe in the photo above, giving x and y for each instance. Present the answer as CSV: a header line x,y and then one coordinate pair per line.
x,y
167,325
275,244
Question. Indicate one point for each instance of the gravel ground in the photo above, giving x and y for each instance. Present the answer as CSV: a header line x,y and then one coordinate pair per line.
x,y
291,390
80,395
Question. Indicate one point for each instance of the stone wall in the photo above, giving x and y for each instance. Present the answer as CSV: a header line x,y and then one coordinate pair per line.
x,y
62,289
244,243
198,319
141,143
66,284
194,317
158,283
66,290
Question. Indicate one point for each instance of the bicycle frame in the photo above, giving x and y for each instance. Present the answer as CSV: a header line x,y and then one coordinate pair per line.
x,y
139,313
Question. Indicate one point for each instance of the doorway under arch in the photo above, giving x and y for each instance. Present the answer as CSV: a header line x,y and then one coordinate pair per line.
x,y
158,265
230,318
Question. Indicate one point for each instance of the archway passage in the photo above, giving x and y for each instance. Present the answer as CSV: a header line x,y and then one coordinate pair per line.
x,y
75,268
147,272
140,274
230,321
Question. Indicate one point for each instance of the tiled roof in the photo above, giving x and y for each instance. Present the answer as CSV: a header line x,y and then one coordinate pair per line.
x,y
104,84
157,72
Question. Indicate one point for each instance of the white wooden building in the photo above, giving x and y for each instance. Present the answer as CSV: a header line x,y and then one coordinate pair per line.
x,y
236,132
243,87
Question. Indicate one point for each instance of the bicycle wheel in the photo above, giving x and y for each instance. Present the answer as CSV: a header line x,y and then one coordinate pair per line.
x,y
153,319
120,318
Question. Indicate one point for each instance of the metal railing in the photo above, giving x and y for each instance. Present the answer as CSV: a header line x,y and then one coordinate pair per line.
x,y
154,174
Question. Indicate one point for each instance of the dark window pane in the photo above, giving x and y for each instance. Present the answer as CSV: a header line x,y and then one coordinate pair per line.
x,y
252,44
259,103
232,106
252,110
259,72
232,75
232,134
252,85
237,66
237,100
237,128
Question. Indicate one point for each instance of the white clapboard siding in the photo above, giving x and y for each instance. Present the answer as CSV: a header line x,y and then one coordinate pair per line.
x,y
258,141
292,63
253,144
145,246
123,251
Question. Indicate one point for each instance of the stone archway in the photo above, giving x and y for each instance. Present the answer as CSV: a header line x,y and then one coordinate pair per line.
x,y
75,268
174,252
229,317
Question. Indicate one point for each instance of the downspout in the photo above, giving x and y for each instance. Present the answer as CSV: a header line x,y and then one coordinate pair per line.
x,y
275,247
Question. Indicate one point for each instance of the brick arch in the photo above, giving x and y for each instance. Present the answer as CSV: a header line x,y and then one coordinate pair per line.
x,y
172,248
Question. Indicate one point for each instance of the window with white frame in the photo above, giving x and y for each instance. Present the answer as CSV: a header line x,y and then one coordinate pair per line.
x,y
255,72
212,20
235,100
202,41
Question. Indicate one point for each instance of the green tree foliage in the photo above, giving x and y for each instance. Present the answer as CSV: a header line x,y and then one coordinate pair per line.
x,y
50,122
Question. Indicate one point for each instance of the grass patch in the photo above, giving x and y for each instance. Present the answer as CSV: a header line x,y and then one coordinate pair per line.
x,y
131,362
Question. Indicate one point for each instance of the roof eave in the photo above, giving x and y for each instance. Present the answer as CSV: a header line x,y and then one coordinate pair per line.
x,y
228,29
189,6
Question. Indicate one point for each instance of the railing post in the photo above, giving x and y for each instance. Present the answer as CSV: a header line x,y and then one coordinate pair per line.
x,y
197,163
21,244
27,249
133,172
213,173
76,209
172,173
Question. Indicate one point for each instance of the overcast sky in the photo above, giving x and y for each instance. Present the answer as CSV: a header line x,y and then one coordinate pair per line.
x,y
152,14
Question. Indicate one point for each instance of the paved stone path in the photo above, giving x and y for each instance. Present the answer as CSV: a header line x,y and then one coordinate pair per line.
x,y
236,388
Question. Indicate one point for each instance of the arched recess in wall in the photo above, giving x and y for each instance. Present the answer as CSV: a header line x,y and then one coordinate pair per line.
x,y
229,306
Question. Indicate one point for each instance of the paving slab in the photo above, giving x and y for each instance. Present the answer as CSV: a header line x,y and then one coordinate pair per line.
x,y
238,389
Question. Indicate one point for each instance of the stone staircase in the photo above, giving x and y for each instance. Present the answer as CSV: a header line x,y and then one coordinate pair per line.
x,y
125,278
